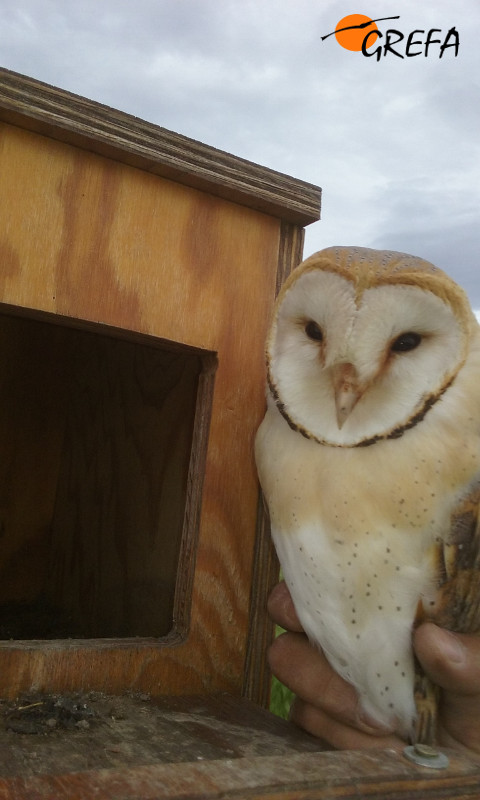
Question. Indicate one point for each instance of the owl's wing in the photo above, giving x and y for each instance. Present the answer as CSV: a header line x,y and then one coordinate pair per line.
x,y
457,603
457,606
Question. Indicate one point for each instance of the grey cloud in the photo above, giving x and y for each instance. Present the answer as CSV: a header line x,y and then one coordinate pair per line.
x,y
394,144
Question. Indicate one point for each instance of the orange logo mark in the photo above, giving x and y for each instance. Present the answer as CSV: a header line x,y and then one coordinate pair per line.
x,y
351,31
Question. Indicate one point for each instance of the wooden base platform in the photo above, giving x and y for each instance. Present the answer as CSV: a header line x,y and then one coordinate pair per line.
x,y
121,748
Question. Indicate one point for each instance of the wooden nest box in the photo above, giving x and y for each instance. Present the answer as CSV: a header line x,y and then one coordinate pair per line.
x,y
138,270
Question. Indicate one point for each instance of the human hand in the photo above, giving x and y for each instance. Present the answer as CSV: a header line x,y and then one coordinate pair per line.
x,y
328,707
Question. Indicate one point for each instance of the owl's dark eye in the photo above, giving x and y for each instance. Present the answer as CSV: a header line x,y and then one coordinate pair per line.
x,y
313,331
405,342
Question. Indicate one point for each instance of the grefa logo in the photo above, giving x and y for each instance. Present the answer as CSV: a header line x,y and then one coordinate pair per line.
x,y
360,33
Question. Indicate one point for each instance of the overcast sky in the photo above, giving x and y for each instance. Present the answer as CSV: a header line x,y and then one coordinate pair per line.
x,y
393,143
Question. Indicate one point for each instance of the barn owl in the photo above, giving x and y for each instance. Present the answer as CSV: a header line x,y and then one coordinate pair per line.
x,y
369,462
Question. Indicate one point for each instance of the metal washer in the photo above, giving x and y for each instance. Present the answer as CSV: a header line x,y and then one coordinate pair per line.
x,y
426,756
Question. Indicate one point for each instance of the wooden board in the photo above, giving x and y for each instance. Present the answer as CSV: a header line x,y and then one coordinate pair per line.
x,y
125,747
61,115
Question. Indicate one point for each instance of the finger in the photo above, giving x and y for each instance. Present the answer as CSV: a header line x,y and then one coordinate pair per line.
x,y
306,671
281,609
451,660
335,734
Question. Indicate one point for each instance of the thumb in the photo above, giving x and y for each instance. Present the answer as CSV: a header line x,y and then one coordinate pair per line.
x,y
451,660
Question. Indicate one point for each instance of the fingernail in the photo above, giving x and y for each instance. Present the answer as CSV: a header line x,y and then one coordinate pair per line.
x,y
452,647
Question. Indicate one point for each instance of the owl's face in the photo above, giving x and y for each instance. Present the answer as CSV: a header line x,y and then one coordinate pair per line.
x,y
364,343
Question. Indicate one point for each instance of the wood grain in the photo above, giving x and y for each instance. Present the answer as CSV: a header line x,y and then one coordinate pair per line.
x,y
99,245
31,439
257,676
76,120
210,747
121,494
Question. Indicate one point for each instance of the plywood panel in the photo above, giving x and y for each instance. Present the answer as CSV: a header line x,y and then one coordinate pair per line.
x,y
257,675
89,125
33,378
120,502
92,239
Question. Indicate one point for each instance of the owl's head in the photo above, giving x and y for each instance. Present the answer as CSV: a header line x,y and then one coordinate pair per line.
x,y
363,343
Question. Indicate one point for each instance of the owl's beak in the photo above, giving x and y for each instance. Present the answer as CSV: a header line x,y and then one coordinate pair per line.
x,y
347,390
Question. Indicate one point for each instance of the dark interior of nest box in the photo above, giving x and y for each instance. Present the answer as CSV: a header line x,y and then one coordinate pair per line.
x,y
97,433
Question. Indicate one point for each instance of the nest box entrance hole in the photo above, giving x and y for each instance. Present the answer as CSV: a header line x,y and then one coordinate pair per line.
x,y
98,506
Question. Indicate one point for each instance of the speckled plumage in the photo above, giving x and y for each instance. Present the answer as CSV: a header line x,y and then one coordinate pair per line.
x,y
369,460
